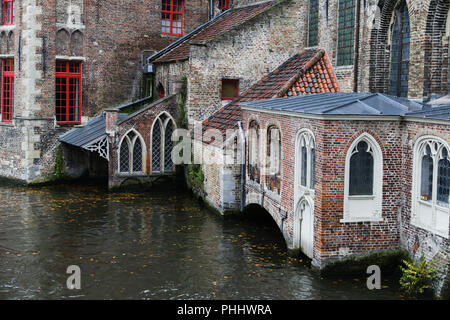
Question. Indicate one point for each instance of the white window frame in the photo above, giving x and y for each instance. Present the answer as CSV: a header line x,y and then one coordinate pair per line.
x,y
374,202
417,215
163,128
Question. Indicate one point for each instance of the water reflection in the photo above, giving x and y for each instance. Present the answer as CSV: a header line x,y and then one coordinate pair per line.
x,y
158,245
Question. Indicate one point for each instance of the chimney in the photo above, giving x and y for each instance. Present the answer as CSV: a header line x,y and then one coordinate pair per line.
x,y
112,116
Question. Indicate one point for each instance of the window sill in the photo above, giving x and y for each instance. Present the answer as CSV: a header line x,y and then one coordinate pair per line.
x,y
7,27
361,220
7,124
361,197
430,229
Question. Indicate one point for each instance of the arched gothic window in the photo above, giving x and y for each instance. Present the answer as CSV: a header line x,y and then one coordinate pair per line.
x,y
253,152
306,159
431,185
400,44
132,154
363,182
162,144
273,179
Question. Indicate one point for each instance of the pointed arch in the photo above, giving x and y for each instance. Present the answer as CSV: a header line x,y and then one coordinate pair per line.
x,y
76,43
254,155
11,43
273,163
62,42
132,153
305,159
303,227
363,181
161,142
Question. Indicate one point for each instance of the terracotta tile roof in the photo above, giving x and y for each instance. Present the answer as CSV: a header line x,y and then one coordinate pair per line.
x,y
308,72
226,22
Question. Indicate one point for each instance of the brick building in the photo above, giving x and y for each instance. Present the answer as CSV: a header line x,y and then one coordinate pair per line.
x,y
64,61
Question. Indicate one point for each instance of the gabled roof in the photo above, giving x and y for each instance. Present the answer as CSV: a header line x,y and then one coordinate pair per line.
x,y
308,72
367,104
223,23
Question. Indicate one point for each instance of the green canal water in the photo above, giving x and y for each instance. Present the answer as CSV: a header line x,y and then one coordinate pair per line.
x,y
158,244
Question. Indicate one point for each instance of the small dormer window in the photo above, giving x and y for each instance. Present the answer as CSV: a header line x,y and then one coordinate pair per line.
x,y
224,4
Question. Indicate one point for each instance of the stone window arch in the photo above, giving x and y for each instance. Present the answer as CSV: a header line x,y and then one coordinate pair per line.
x,y
131,153
162,144
389,49
437,38
305,159
76,43
431,184
363,182
254,158
62,43
273,176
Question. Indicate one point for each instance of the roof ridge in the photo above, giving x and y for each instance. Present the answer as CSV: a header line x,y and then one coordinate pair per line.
x,y
319,54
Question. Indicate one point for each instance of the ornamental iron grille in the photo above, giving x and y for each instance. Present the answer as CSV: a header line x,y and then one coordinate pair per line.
x,y
346,32
435,173
131,153
307,158
100,146
361,170
313,32
400,52
162,144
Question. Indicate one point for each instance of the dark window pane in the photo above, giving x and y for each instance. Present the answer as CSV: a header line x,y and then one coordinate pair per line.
x,y
443,182
137,156
346,32
426,186
156,147
304,166
124,157
168,147
313,168
230,89
313,39
361,171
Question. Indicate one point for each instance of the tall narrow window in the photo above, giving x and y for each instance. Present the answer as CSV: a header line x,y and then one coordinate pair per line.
x,y
131,154
400,52
253,152
306,159
172,17
313,32
273,179
162,144
7,89
346,32
9,12
361,170
224,4
68,92
431,185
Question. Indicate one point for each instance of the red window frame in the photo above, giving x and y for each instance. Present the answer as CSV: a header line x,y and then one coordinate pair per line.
x,y
234,81
7,90
172,12
68,92
224,4
9,12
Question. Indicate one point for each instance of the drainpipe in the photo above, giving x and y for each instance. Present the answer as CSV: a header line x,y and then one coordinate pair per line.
x,y
242,135
356,63
211,9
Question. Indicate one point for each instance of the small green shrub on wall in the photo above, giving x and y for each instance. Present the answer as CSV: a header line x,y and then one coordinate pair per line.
x,y
59,163
417,277
196,176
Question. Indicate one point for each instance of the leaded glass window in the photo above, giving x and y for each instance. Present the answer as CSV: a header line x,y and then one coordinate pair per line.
x,y
443,179
313,32
427,176
361,170
162,144
400,47
306,160
131,154
346,32
124,156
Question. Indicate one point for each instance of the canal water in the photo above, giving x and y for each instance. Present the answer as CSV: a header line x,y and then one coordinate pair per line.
x,y
157,244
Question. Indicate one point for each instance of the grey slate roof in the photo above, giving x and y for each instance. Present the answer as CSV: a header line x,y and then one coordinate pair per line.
x,y
440,113
93,130
339,104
